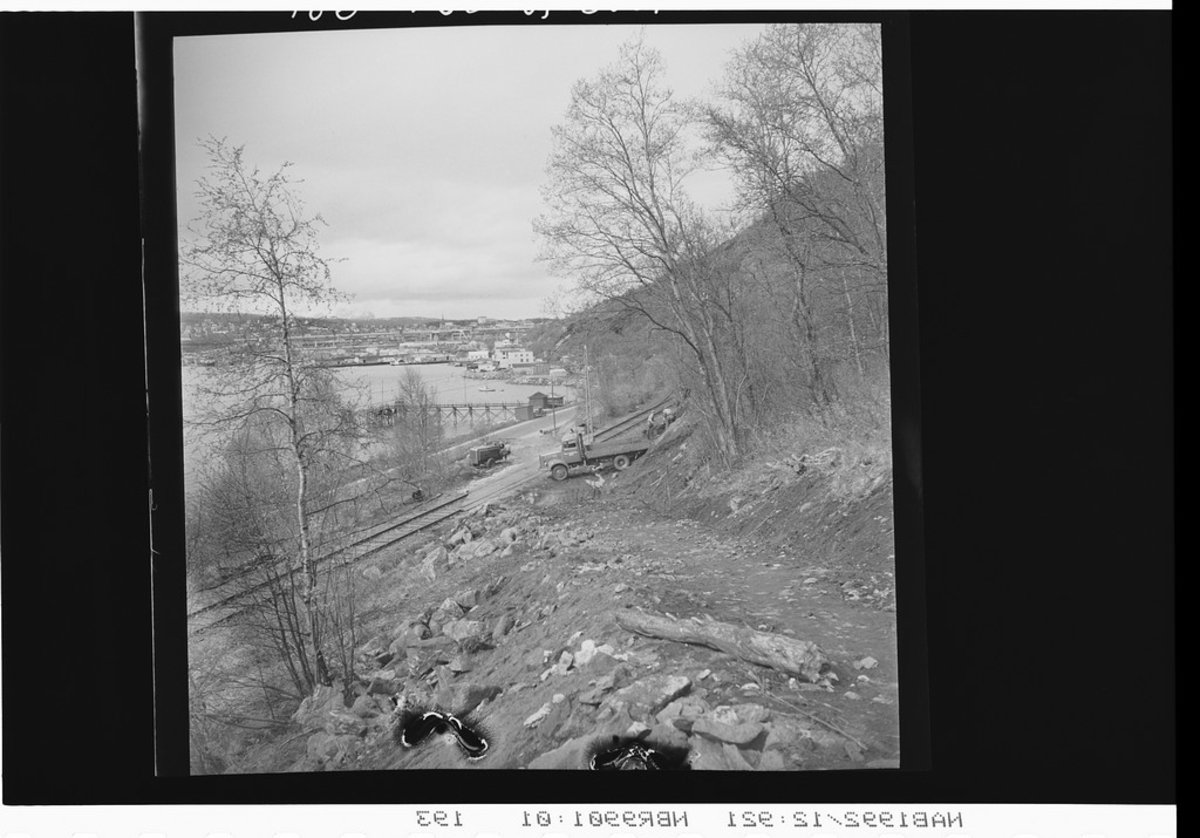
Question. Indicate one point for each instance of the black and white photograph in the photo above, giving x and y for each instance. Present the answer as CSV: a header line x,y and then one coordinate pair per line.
x,y
497,391
536,399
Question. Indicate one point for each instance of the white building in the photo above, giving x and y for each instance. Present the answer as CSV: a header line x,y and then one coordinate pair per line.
x,y
508,356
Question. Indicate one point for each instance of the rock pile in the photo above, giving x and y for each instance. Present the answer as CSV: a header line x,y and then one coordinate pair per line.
x,y
444,656
427,658
723,732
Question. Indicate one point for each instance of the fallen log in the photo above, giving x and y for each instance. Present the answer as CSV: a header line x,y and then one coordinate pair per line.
x,y
801,658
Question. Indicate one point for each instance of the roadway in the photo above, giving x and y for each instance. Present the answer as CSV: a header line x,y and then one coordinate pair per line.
x,y
527,440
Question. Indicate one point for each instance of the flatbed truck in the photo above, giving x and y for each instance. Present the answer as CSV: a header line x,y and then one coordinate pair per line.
x,y
581,453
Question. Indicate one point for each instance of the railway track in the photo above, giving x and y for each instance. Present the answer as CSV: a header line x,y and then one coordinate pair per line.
x,y
630,422
208,617
380,538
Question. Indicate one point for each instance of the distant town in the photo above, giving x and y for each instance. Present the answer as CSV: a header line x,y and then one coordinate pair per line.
x,y
485,343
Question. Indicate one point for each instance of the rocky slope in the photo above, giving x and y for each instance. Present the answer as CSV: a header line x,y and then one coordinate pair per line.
x,y
510,620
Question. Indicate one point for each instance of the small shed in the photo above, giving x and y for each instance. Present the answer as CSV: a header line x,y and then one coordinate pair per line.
x,y
540,401
523,412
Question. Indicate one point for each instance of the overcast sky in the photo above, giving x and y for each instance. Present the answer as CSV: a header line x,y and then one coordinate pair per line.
x,y
423,149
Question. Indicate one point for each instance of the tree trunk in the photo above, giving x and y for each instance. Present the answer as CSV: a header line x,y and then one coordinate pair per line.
x,y
307,562
850,319
801,658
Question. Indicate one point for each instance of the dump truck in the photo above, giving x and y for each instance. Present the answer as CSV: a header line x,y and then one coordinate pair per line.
x,y
488,454
581,453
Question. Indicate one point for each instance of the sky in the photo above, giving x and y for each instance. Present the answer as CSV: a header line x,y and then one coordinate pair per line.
x,y
423,150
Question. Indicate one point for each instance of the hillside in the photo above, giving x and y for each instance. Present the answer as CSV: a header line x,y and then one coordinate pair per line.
x,y
520,615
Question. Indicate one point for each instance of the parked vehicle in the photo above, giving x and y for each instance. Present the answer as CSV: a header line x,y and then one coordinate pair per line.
x,y
488,454
580,453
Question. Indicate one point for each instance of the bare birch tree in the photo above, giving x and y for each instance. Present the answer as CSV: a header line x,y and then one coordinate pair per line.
x,y
801,126
254,250
622,226
416,433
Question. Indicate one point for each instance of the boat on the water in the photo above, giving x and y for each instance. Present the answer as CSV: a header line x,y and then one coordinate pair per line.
x,y
487,389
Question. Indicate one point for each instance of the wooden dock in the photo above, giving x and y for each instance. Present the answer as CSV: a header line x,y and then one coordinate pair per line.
x,y
455,412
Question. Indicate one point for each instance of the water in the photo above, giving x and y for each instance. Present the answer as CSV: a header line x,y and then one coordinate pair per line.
x,y
381,385
372,385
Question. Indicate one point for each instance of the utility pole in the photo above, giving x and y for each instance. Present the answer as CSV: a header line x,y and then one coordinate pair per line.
x,y
587,393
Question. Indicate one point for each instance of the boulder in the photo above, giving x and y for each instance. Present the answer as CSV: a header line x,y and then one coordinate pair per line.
x,y
739,734
580,722
649,695
667,735
375,645
385,682
690,707
780,735
509,535
538,716
315,708
345,723
384,658
739,713
466,600
485,547
372,573
412,633
424,658
462,629
559,713
588,650
591,696
435,563
365,707
450,608
602,686
503,625
601,662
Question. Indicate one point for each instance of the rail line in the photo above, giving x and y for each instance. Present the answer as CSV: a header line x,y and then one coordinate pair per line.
x,y
347,554
392,533
630,421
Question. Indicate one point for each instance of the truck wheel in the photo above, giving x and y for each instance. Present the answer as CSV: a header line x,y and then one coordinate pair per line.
x,y
558,471
621,462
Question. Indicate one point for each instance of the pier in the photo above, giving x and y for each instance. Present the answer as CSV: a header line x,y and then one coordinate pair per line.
x,y
455,412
